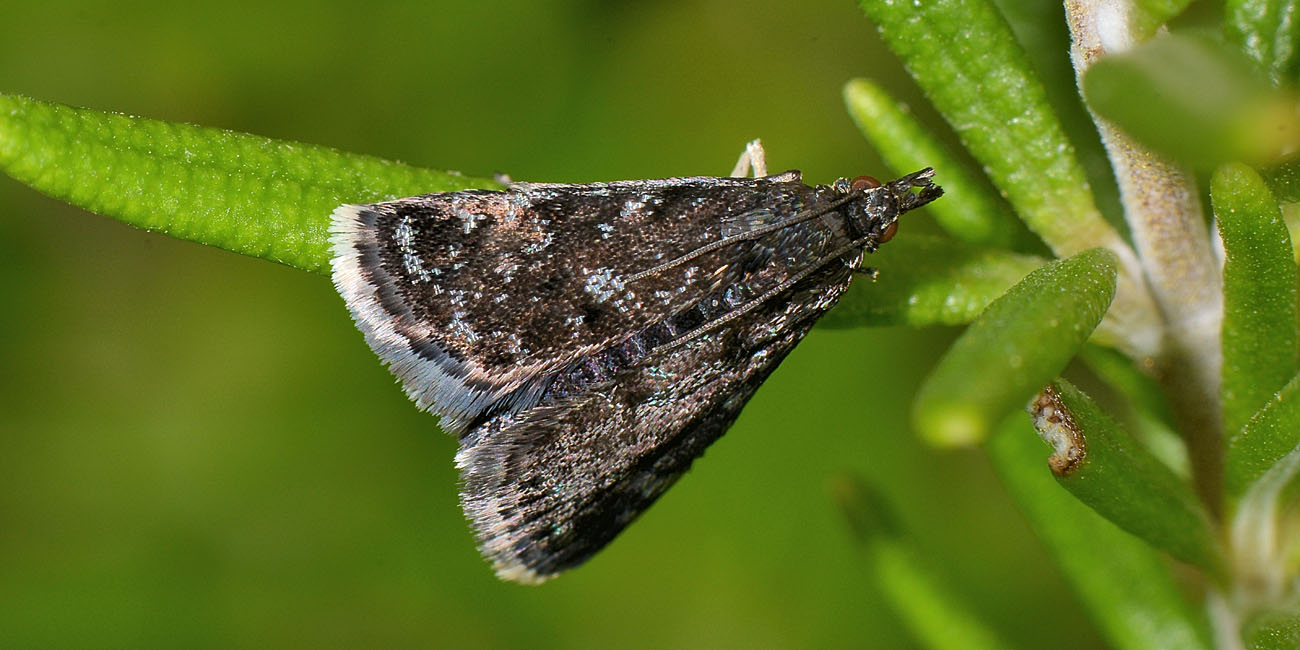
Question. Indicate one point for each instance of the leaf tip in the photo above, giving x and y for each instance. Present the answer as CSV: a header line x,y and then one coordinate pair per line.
x,y
1232,175
863,99
950,425
858,89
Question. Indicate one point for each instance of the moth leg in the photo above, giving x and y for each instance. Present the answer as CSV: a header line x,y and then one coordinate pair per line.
x,y
753,158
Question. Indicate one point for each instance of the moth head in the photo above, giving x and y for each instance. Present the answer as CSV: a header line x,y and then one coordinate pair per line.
x,y
884,225
874,207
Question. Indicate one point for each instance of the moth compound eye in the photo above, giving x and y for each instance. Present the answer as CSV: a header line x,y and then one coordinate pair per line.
x,y
888,234
863,183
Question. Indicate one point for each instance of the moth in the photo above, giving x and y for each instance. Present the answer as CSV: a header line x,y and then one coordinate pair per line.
x,y
586,343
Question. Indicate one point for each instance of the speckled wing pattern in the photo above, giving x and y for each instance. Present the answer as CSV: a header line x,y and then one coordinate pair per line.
x,y
580,388
474,297
549,487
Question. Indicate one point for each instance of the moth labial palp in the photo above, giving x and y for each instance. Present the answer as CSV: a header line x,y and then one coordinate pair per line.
x,y
638,319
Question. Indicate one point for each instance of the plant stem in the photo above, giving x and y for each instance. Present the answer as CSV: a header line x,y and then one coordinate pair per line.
x,y
1224,620
1162,207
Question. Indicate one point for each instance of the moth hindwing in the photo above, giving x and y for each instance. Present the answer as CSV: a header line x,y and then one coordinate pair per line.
x,y
587,342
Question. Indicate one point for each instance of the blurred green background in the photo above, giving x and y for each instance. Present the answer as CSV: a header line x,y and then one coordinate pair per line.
x,y
198,450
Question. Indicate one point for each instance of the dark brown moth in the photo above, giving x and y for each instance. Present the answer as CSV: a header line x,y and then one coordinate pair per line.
x,y
586,343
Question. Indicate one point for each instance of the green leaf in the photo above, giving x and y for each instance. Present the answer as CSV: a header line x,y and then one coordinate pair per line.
x,y
1106,469
1149,15
963,55
1284,181
1023,340
1273,631
1268,32
1196,101
1260,337
1291,216
244,193
1153,416
970,211
1263,534
935,615
1268,437
1123,583
927,280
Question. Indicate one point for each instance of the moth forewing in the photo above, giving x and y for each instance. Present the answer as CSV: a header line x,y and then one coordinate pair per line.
x,y
587,342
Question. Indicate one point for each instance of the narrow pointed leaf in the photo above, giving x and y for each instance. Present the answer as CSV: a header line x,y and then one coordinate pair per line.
x,y
1196,101
1124,584
244,193
1106,469
1260,337
1268,437
1154,418
934,614
1291,215
1122,375
1262,531
1268,31
1023,340
1284,181
1273,631
971,211
927,280
1149,15
964,56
